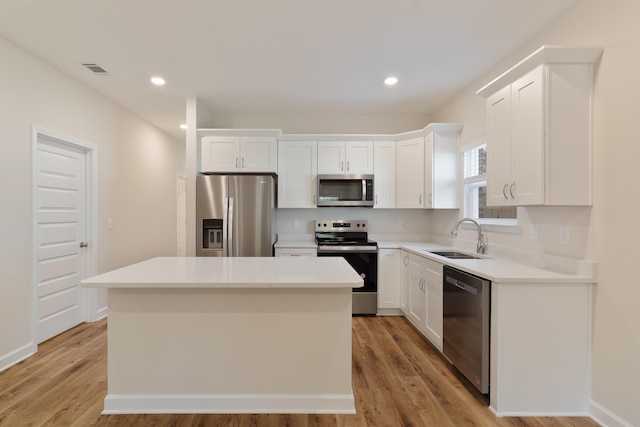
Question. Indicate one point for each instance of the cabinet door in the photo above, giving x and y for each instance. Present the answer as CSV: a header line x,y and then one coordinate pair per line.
x,y
410,173
388,273
384,174
259,154
359,157
434,311
443,158
404,282
527,155
428,170
499,148
331,157
219,154
297,174
417,298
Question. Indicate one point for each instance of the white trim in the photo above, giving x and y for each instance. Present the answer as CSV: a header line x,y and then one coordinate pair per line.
x,y
229,404
17,355
605,417
91,170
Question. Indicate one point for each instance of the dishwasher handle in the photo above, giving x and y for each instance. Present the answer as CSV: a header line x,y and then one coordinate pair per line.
x,y
461,285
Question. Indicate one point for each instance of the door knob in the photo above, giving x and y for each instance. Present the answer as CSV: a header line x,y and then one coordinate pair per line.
x,y
83,244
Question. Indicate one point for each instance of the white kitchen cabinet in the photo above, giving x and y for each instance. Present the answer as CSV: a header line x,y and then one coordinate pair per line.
x,y
425,297
427,168
389,264
236,154
384,174
345,157
442,153
295,252
410,173
417,299
404,282
297,174
539,129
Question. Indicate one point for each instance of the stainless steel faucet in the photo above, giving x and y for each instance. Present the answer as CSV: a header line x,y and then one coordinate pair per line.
x,y
481,246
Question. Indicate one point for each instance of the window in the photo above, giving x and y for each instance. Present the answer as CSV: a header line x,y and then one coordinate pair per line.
x,y
475,189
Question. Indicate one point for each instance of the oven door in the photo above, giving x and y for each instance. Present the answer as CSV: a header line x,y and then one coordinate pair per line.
x,y
365,299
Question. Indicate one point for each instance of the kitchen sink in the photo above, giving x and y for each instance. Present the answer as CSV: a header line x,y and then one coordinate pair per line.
x,y
454,255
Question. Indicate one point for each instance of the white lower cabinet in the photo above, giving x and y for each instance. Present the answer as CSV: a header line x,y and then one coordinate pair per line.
x,y
300,252
424,281
389,262
404,282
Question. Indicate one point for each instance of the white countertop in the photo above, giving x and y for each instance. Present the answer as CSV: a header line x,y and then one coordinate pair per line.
x,y
206,272
494,269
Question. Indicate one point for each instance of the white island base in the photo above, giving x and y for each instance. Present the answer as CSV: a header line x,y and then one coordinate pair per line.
x,y
213,341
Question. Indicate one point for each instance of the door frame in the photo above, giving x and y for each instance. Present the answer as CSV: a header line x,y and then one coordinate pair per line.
x,y
89,295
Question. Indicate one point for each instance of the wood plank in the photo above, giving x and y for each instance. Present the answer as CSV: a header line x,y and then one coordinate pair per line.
x,y
398,379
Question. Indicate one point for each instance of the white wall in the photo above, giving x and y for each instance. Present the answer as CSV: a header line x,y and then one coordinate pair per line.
x,y
608,231
137,167
321,123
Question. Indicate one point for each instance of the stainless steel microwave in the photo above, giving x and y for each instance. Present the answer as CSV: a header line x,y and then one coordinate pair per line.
x,y
345,190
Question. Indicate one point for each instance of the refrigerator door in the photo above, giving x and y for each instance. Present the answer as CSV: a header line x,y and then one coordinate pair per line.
x,y
251,201
212,215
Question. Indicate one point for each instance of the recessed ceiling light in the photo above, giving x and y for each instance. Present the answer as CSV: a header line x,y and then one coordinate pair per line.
x,y
158,81
390,81
183,126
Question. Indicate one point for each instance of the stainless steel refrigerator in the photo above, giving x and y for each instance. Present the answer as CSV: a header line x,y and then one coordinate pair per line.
x,y
235,215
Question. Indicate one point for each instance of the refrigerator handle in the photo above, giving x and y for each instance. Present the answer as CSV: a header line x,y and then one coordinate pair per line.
x,y
230,227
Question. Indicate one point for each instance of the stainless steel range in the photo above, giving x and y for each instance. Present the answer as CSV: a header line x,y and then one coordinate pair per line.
x,y
349,239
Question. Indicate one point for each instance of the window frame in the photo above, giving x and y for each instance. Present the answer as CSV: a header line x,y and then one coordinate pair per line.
x,y
501,225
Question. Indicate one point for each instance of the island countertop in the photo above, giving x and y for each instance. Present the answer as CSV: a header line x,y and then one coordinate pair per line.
x,y
205,272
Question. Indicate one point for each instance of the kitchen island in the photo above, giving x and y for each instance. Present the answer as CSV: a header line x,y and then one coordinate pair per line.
x,y
229,335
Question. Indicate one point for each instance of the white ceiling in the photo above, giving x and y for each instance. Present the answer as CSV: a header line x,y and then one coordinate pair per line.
x,y
275,56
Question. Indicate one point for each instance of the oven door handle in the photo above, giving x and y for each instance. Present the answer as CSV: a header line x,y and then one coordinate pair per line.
x,y
346,249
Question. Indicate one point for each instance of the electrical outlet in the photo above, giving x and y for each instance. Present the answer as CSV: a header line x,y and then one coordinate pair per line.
x,y
109,223
564,235
295,223
534,232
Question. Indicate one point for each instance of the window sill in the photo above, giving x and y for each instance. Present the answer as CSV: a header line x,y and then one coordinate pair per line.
x,y
507,226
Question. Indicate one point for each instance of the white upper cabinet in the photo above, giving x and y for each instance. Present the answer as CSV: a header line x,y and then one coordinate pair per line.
x,y
297,174
410,173
539,121
345,157
384,174
236,154
427,168
442,154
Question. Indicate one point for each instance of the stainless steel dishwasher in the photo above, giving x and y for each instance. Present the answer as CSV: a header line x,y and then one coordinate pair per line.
x,y
465,334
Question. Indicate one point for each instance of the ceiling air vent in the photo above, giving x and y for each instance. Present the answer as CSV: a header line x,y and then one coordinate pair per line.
x,y
96,68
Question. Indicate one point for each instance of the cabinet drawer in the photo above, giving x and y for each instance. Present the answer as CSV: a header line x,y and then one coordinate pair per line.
x,y
426,266
307,252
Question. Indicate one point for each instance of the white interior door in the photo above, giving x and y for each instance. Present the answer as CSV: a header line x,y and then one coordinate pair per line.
x,y
60,236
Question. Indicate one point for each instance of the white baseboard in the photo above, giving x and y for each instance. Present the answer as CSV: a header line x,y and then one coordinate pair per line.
x,y
603,416
16,356
229,404
102,313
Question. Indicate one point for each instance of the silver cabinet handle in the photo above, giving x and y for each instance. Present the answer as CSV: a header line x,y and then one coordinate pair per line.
x,y
420,199
342,166
314,199
237,164
430,199
347,166
84,244
244,164
405,260
376,199
511,190
504,191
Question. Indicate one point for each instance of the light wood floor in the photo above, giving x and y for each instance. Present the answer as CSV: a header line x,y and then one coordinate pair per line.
x,y
399,379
